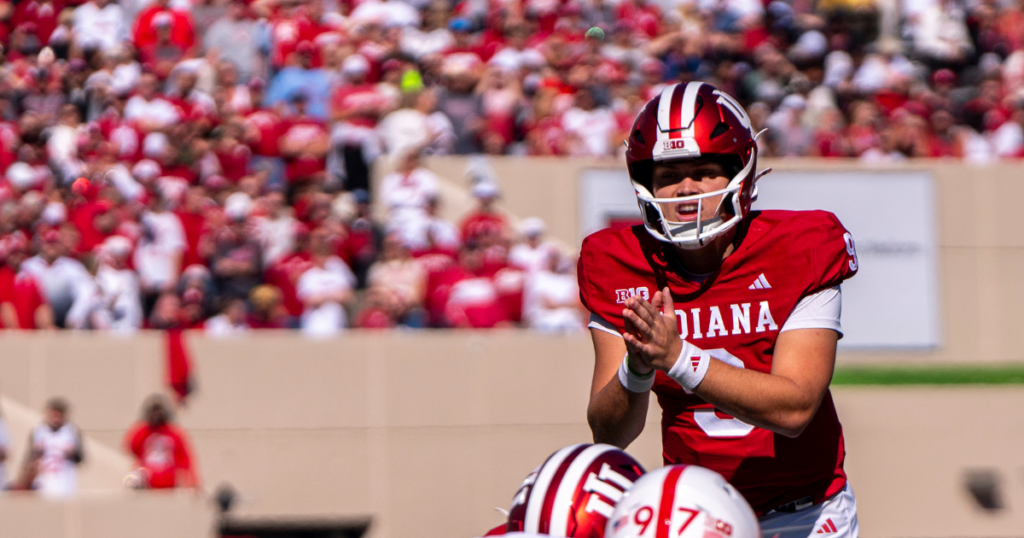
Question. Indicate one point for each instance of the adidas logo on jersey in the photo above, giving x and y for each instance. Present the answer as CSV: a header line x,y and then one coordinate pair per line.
x,y
827,527
760,283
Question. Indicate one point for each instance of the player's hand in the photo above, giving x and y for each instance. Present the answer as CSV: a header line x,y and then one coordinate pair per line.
x,y
652,332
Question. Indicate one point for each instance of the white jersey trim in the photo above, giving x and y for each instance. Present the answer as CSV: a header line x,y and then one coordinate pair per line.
x,y
820,310
601,324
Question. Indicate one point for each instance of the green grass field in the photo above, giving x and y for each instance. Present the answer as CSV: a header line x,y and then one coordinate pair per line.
x,y
929,375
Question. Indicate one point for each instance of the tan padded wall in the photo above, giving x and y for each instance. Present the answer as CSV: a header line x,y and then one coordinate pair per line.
x,y
427,433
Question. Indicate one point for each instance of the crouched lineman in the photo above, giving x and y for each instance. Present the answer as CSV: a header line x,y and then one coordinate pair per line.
x,y
730,315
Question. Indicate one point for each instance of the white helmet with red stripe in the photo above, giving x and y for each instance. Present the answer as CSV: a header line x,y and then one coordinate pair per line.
x,y
574,492
683,501
687,121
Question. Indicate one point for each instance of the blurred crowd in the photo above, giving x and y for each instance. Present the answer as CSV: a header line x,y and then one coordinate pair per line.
x,y
207,163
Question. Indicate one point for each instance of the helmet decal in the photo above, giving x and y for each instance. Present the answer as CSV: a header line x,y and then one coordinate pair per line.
x,y
574,492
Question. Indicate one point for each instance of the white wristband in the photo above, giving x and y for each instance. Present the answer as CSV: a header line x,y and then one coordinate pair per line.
x,y
634,382
691,366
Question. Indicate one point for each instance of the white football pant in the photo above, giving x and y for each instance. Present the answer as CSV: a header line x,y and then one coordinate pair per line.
x,y
834,518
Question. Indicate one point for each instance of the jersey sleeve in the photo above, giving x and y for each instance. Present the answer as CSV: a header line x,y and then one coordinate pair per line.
x,y
819,310
583,266
834,256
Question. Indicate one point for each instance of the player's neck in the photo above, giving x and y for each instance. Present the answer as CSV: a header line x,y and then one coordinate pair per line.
x,y
707,260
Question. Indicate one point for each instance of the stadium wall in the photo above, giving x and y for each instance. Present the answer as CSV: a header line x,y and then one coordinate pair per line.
x,y
428,433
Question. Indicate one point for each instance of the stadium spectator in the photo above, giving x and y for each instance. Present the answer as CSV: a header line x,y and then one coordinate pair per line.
x,y
458,101
232,319
551,297
405,193
401,279
147,109
533,253
590,125
160,249
236,262
301,77
356,107
22,303
268,311
161,449
304,144
235,39
472,300
484,222
325,288
117,304
63,279
417,124
55,451
363,237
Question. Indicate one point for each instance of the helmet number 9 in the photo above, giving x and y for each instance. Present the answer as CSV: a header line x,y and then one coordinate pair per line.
x,y
851,249
643,517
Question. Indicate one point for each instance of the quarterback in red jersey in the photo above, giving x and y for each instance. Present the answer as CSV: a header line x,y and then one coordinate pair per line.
x,y
730,315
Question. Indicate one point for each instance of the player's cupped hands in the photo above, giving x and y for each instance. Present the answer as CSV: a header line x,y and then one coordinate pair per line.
x,y
652,332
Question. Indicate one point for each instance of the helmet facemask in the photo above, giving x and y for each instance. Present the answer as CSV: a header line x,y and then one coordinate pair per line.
x,y
698,233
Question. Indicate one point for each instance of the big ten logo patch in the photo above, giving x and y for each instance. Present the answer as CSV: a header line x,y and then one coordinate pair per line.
x,y
641,291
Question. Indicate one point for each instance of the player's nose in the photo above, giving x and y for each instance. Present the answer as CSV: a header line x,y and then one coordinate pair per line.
x,y
687,187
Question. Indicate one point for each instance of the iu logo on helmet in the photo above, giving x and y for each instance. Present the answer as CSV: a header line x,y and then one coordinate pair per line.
x,y
574,492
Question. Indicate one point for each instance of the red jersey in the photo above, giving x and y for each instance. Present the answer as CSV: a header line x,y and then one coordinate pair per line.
x,y
361,104
477,224
182,33
162,451
22,291
43,14
304,129
264,129
285,275
798,253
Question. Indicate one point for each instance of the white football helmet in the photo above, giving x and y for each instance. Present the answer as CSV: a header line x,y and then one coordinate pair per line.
x,y
683,501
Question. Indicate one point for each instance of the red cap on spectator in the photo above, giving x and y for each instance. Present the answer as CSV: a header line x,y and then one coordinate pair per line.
x,y
571,9
943,76
305,47
104,205
391,64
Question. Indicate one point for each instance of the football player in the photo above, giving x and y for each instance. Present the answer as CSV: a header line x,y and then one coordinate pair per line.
x,y
573,493
730,315
683,501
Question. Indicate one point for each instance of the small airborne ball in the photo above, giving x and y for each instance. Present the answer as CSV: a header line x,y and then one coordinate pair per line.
x,y
80,186
595,34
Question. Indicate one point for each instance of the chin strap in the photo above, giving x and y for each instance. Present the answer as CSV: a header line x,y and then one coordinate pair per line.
x,y
759,133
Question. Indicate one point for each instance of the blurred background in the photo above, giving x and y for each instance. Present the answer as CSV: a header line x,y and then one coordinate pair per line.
x,y
307,267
